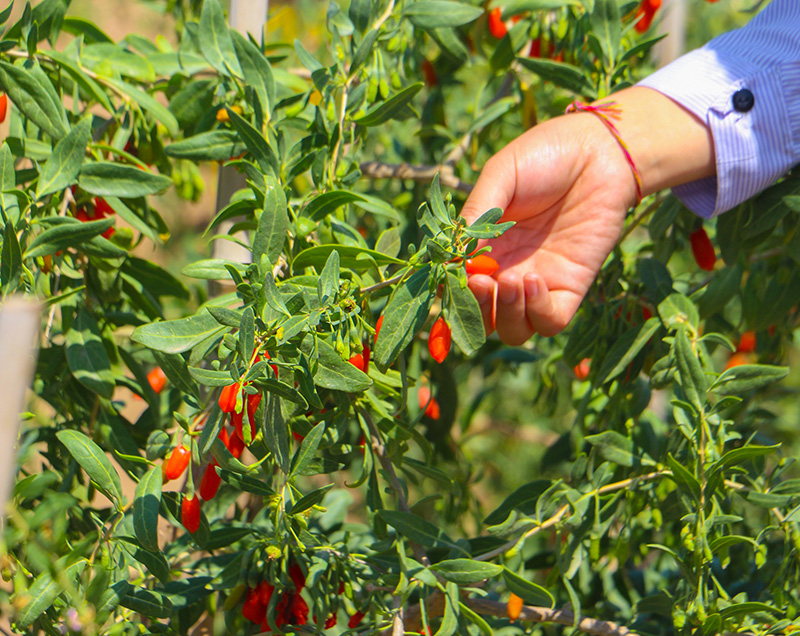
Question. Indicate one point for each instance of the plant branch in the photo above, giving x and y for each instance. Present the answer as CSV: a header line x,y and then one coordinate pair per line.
x,y
563,510
447,177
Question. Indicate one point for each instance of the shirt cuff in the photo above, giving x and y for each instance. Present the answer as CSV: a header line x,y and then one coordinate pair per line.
x,y
753,148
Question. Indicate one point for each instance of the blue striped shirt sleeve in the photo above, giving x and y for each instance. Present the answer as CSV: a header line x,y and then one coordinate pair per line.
x,y
754,148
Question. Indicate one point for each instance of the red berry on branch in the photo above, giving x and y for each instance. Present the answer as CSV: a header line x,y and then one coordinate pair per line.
x,y
227,397
190,513
747,342
481,264
253,609
497,27
3,107
581,369
439,340
428,403
157,379
355,620
703,250
177,462
210,482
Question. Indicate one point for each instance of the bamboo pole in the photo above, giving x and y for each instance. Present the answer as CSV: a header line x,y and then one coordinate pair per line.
x,y
20,319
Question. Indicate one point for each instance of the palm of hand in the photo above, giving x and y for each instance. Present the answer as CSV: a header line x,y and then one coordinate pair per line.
x,y
567,189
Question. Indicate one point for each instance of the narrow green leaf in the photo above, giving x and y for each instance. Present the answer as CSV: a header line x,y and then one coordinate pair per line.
x,y
177,336
418,530
276,433
465,319
466,571
692,378
105,178
390,108
607,28
28,92
311,499
215,40
94,461
529,591
256,144
11,268
8,202
146,504
212,145
68,233
351,257
308,449
273,224
625,349
44,592
148,103
565,75
435,14
87,357
64,164
333,372
747,377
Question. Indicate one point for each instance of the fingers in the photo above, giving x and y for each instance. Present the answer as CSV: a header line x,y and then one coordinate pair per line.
x,y
517,307
484,289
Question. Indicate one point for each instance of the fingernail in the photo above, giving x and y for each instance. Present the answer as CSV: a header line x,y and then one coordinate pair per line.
x,y
482,294
507,292
531,286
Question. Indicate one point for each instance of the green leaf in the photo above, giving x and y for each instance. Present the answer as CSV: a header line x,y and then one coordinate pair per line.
x,y
147,602
105,178
11,268
565,75
215,40
94,461
308,449
34,99
625,349
311,499
434,14
403,317
328,281
676,310
523,499
190,103
273,224
177,336
682,477
177,372
747,377
146,504
8,202
740,455
148,103
333,372
618,449
276,433
466,571
512,7
102,56
64,164
530,592
256,144
306,59
155,562
465,319
282,390
256,70
67,233
246,483
328,202
390,108
92,89
418,530
87,357
213,145
350,257
607,28
44,592
745,609
212,269
692,378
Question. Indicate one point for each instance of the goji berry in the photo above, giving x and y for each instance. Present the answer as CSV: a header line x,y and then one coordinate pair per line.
x,y
703,250
177,462
355,620
429,73
157,379
481,264
224,437
273,366
209,484
747,342
644,17
190,513
236,446
581,369
331,622
297,576
252,406
265,590
439,340
253,609
361,360
298,610
428,403
514,607
298,437
738,359
536,48
3,107
378,326
497,27
646,313
223,116
227,397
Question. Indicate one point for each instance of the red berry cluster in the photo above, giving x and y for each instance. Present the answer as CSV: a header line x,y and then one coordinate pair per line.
x,y
291,608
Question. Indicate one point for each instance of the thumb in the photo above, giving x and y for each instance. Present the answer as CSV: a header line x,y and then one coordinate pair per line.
x,y
495,187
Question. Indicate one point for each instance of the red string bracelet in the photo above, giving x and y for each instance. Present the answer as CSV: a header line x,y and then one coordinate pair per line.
x,y
606,111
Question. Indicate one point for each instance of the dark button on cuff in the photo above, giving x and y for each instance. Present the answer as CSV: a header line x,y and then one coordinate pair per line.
x,y
743,100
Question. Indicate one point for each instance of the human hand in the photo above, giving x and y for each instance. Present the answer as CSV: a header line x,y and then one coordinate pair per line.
x,y
567,186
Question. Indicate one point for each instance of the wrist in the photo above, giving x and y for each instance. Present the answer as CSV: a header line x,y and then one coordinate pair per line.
x,y
668,145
